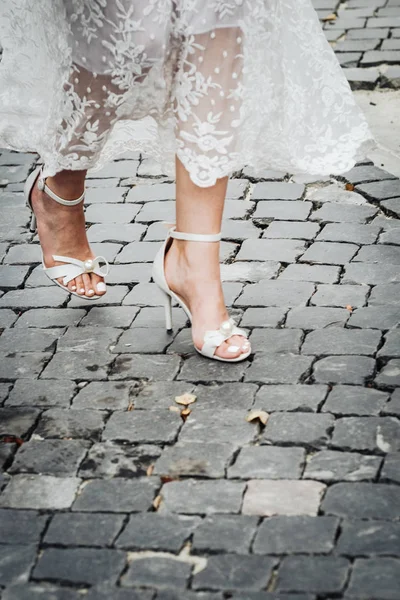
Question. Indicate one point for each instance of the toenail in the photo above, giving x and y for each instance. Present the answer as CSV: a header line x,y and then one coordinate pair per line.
x,y
82,291
101,286
73,288
90,292
233,349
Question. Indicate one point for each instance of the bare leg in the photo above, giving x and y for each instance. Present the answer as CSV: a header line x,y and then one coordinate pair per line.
x,y
61,229
192,268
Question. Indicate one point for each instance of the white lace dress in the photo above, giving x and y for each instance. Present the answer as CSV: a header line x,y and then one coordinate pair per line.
x,y
219,83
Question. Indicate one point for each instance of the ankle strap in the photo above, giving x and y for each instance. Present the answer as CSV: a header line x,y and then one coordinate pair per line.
x,y
194,237
43,187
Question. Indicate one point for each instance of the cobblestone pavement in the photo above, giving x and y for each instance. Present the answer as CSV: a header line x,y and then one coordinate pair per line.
x,y
106,493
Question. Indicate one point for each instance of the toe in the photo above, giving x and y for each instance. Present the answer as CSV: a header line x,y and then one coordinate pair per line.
x,y
80,286
72,286
233,348
87,281
98,284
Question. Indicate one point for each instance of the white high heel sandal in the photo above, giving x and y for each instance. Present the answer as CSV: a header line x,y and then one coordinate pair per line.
x,y
212,339
72,267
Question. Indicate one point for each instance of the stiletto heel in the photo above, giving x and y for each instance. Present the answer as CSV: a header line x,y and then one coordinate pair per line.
x,y
71,267
33,224
212,339
168,312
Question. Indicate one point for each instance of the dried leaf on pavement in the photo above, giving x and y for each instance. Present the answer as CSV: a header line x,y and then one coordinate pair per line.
x,y
259,415
185,399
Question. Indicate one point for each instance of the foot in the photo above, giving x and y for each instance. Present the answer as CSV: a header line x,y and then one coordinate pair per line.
x,y
62,232
192,272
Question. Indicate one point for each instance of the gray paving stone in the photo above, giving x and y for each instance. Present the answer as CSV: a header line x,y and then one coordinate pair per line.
x,y
344,369
157,211
284,497
392,205
278,191
111,213
365,174
273,341
107,195
145,251
321,574
263,317
50,457
329,253
358,538
349,232
50,317
391,468
229,572
331,466
365,78
296,535
335,193
310,317
336,341
41,393
195,459
362,501
39,492
142,426
145,294
79,565
316,273
118,169
367,433
156,395
390,374
271,596
199,369
18,421
271,249
276,293
227,395
22,365
104,395
75,424
340,295
391,347
51,297
263,462
205,426
109,459
154,316
379,253
110,316
155,367
380,190
194,496
377,576
146,340
278,368
291,230
29,340
87,366
355,400
129,273
12,276
390,237
16,562
15,217
21,526
393,407
83,529
225,533
304,429
292,210
115,232
151,193
373,274
386,294
332,212
375,317
116,495
7,318
157,571
249,271
151,531
23,254
289,398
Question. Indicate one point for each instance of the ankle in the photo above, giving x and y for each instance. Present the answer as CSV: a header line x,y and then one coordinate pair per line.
x,y
69,188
